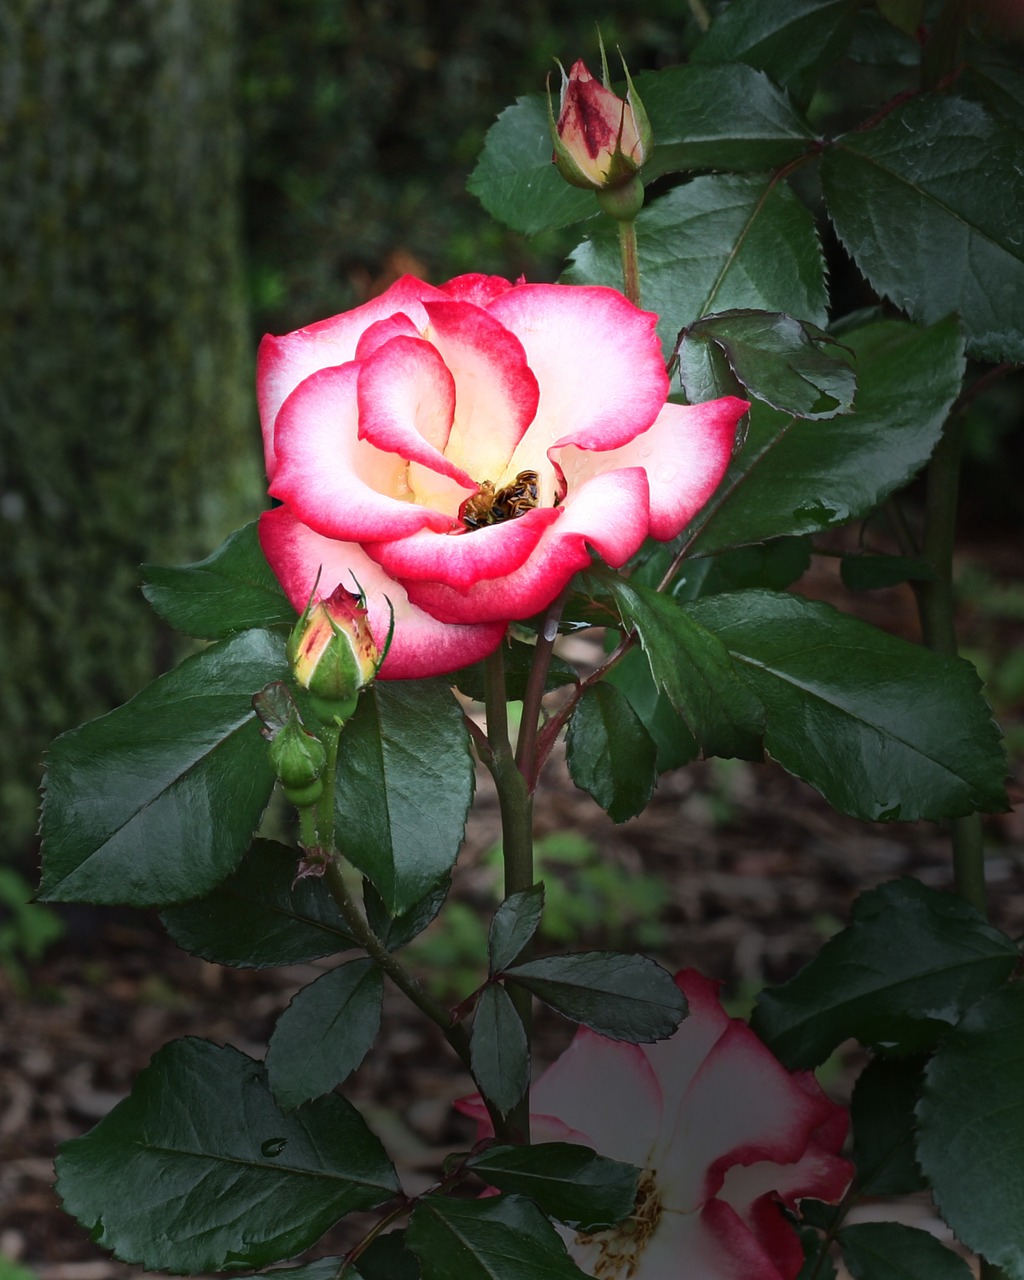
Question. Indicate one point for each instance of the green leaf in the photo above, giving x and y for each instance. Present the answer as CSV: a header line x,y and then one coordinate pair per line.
x,y
396,930
231,590
514,924
261,915
928,204
610,754
499,1051
884,729
776,358
624,997
719,242
198,1169
892,1251
405,782
325,1033
792,42
385,1259
971,1122
995,75
156,802
515,179
497,1238
674,744
570,1183
693,668
884,1128
795,477
902,972
719,117
868,572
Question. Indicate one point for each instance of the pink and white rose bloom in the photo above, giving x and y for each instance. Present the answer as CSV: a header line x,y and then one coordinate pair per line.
x,y
724,1134
455,453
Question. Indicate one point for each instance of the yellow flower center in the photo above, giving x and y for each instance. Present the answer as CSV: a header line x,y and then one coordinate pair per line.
x,y
618,1251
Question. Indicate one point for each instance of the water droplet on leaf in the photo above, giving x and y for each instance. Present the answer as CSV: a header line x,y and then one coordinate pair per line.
x,y
273,1147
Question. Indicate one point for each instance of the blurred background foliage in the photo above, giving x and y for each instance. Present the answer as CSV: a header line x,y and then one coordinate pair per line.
x,y
179,177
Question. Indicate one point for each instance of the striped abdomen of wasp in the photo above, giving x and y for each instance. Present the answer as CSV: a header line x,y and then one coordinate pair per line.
x,y
494,506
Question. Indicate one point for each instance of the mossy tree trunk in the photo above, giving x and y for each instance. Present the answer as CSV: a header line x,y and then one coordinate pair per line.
x,y
126,432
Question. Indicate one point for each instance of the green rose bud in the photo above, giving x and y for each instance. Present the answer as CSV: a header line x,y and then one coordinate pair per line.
x,y
333,655
298,758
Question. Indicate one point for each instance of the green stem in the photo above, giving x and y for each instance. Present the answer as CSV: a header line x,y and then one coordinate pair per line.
x,y
630,263
515,804
529,726
935,602
325,805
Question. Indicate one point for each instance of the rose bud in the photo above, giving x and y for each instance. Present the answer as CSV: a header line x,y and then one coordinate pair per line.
x,y
333,654
600,139
298,759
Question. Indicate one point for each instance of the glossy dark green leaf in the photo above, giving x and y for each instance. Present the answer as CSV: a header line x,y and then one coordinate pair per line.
x,y
896,978
514,924
405,782
995,76
719,117
928,204
499,1052
198,1169
674,743
883,728
515,179
793,42
386,1258
496,1238
884,1128
518,664
396,930
892,1251
774,565
624,997
610,754
971,1129
261,915
231,590
796,477
694,669
719,242
793,367
325,1033
571,1183
157,801
869,572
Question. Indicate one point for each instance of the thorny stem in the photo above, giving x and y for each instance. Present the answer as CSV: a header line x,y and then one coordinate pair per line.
x,y
325,805
515,803
526,746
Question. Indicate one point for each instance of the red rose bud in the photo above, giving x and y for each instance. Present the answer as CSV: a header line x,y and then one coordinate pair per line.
x,y
298,759
600,140
333,654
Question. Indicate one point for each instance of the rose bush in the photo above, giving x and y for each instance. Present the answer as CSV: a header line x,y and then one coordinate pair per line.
x,y
456,452
724,1134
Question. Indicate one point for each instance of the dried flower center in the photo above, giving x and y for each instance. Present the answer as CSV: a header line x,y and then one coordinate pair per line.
x,y
618,1251
494,506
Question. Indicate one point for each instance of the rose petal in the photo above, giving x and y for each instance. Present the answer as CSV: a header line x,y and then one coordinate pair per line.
x,y
476,288
684,454
606,1088
420,646
397,326
334,482
282,363
406,399
496,392
597,361
461,560
742,1106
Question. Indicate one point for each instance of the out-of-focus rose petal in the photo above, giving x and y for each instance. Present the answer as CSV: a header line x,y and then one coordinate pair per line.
x,y
420,646
478,289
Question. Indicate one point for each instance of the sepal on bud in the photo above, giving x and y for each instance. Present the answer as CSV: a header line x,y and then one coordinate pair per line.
x,y
333,654
298,757
600,139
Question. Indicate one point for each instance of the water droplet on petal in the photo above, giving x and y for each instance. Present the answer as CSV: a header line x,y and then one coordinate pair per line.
x,y
273,1147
